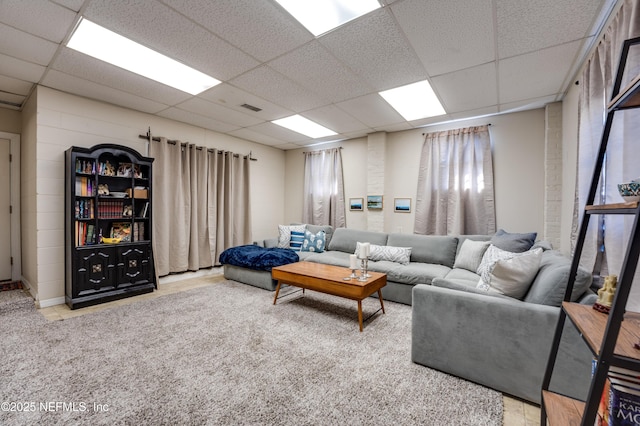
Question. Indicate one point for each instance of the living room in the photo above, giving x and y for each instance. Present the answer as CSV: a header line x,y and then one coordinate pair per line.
x,y
535,151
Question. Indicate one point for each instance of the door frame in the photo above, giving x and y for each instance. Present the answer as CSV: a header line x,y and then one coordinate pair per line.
x,y
16,244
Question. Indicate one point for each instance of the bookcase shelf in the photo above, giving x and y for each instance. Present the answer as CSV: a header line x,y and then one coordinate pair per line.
x,y
612,337
99,182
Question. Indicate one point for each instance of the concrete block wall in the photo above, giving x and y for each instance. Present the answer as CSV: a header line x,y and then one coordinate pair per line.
x,y
553,174
376,150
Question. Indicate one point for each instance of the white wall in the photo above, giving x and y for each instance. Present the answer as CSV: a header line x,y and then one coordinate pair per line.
x,y
64,120
518,155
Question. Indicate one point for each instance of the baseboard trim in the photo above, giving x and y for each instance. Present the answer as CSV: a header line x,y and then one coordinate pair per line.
x,y
50,302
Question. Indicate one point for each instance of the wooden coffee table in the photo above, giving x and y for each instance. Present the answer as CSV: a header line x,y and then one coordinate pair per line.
x,y
329,279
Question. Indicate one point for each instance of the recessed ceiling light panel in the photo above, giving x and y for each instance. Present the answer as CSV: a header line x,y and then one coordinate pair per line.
x,y
302,125
101,43
320,16
414,101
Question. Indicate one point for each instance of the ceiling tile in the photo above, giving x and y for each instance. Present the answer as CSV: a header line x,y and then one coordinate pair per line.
x,y
235,21
375,48
12,99
269,84
526,104
14,85
25,46
219,112
525,25
75,63
22,70
41,18
448,35
535,74
490,110
278,132
197,120
249,134
313,67
232,97
467,89
335,119
160,28
66,83
74,5
371,110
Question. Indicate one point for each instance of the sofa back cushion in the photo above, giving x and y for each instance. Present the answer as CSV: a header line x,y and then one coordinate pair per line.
x,y
438,249
550,283
345,239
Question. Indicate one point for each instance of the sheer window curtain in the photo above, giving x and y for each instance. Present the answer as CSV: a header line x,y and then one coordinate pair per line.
x,y
200,205
323,200
455,183
623,156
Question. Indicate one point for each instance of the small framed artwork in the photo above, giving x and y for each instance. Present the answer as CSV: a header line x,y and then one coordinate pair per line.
x,y
374,202
402,205
355,204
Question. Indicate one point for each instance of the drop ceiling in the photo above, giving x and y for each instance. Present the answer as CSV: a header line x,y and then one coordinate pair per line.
x,y
482,57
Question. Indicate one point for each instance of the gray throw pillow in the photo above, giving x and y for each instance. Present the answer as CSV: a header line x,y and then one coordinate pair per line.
x,y
516,243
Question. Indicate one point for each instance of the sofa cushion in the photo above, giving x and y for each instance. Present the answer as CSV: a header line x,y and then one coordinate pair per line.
x,y
345,239
459,274
415,272
470,254
511,274
438,249
461,285
513,242
332,257
551,282
284,234
314,241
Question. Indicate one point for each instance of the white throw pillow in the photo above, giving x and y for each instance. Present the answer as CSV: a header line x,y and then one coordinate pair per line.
x,y
470,254
284,234
400,255
508,273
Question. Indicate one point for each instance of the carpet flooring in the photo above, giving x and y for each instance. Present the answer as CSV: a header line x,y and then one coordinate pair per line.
x,y
224,355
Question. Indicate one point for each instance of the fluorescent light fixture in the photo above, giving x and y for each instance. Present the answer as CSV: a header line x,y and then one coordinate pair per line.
x,y
320,16
101,43
299,124
414,101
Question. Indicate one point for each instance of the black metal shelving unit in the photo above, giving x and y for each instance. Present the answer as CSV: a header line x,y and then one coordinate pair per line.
x,y
610,337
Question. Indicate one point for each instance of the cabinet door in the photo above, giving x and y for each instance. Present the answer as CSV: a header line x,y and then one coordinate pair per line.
x,y
134,264
95,270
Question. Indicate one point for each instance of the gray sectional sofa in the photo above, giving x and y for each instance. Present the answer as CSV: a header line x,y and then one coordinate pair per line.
x,y
494,340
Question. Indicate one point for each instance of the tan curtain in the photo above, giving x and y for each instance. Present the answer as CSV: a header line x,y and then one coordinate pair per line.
x,y
171,201
623,156
455,184
229,201
323,197
200,205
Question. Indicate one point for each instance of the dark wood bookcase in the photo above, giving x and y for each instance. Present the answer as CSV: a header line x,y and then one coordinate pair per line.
x,y
108,214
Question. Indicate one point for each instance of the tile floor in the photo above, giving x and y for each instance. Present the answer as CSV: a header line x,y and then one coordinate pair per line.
x,y
516,412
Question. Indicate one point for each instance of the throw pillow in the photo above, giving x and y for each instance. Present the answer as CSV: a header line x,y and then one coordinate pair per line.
x,y
314,242
470,255
400,255
516,243
284,234
296,240
511,274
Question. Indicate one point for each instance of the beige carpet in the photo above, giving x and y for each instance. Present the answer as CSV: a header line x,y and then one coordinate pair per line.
x,y
223,354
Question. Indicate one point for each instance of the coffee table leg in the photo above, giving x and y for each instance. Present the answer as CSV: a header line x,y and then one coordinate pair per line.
x,y
380,297
277,291
360,314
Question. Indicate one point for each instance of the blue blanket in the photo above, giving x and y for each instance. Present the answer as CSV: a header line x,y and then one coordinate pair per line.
x,y
256,257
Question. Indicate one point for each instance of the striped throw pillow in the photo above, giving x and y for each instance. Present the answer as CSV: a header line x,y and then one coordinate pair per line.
x,y
296,240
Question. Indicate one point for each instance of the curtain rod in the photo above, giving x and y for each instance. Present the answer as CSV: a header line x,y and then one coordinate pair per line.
x,y
319,150
489,124
184,144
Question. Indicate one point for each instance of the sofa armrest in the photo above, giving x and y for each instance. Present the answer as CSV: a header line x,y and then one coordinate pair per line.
x,y
497,342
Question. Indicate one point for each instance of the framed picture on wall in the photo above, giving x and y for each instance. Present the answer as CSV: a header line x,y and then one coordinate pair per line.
x,y
374,202
355,204
402,205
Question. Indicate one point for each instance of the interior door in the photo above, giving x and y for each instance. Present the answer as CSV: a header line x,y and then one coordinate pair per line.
x,y
5,215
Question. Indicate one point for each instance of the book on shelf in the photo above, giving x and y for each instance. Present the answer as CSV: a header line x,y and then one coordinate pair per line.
x,y
624,405
85,234
84,186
